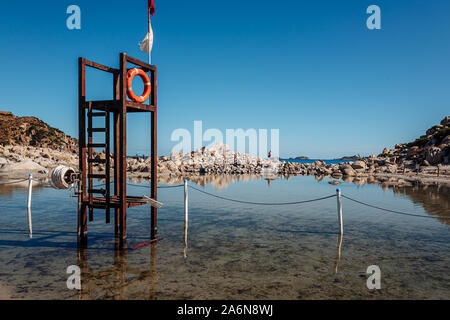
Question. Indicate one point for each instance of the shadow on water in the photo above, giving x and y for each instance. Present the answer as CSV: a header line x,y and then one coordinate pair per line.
x,y
48,239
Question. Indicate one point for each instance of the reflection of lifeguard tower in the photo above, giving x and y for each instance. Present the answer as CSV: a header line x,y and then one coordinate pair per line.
x,y
113,197
119,281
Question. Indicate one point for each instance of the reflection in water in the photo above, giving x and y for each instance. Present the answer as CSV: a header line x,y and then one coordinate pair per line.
x,y
119,281
338,253
217,181
235,252
30,226
435,199
185,243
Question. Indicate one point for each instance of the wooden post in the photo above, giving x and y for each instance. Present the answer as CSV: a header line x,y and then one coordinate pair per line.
x,y
82,212
116,126
154,158
108,165
123,147
30,190
339,209
90,169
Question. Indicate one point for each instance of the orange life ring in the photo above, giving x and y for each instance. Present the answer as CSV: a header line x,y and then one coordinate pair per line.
x,y
147,87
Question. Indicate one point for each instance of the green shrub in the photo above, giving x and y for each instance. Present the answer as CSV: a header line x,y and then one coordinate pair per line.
x,y
419,142
441,134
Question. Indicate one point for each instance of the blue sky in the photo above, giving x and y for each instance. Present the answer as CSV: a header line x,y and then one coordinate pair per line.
x,y
309,68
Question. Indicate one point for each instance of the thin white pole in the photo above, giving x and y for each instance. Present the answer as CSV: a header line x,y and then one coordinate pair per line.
x,y
30,190
339,209
149,50
186,217
149,28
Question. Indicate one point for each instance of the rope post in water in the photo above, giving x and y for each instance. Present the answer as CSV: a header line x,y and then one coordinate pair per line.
x,y
339,209
185,200
185,216
30,190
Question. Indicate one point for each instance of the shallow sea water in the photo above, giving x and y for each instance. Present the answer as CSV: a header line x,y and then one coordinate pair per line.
x,y
234,250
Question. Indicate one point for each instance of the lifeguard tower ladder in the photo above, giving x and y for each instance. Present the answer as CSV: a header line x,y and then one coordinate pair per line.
x,y
89,197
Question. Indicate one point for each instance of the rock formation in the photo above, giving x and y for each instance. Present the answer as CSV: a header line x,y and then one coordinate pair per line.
x,y
35,146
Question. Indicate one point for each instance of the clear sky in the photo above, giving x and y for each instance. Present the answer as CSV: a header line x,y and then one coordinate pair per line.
x,y
311,69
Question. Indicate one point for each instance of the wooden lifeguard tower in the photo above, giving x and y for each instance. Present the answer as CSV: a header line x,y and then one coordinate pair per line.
x,y
112,197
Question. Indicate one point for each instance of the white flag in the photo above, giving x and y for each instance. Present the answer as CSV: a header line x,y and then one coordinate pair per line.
x,y
146,45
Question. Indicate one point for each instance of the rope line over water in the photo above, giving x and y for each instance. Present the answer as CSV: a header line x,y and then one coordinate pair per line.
x,y
168,187
262,203
13,182
393,211
159,187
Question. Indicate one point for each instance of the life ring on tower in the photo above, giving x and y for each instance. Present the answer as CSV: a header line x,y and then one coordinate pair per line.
x,y
147,87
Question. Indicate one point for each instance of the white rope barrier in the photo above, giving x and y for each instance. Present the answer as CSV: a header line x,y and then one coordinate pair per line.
x,y
262,203
59,173
13,182
393,211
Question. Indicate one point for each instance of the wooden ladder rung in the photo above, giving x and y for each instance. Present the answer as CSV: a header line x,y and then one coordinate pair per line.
x,y
96,176
96,129
100,191
97,114
96,206
96,145
97,160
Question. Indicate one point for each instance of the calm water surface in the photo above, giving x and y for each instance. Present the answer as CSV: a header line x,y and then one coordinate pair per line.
x,y
234,251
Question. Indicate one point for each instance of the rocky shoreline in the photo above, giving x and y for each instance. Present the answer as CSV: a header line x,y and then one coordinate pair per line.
x,y
220,161
427,160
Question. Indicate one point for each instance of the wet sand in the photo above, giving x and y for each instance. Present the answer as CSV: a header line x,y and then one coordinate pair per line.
x,y
5,293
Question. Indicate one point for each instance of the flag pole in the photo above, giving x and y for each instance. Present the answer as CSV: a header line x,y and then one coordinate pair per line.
x,y
149,28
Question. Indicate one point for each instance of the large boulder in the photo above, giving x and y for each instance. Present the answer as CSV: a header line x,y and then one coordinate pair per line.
x,y
392,168
413,151
434,155
348,172
319,163
359,165
171,166
26,165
